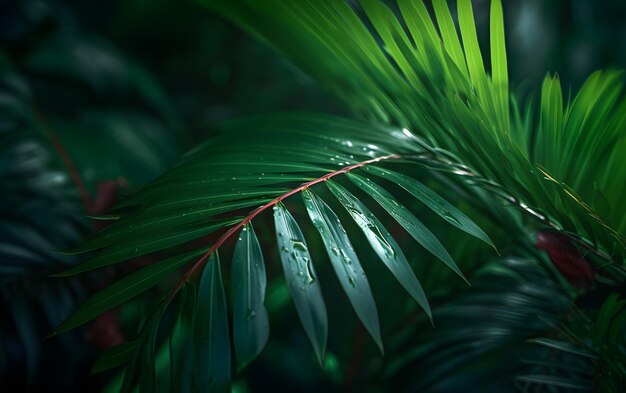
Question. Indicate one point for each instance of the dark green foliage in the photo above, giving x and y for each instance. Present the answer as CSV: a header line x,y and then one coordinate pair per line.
x,y
63,129
446,113
479,342
39,214
434,128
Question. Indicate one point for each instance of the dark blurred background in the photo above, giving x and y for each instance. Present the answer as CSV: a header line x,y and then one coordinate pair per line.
x,y
98,98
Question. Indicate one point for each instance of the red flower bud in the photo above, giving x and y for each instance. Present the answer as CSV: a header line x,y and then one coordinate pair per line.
x,y
566,258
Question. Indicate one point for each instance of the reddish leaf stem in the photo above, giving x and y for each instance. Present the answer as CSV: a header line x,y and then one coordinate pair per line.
x,y
260,209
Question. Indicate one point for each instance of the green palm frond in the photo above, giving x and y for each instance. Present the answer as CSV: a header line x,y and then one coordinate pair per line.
x,y
252,168
432,80
425,103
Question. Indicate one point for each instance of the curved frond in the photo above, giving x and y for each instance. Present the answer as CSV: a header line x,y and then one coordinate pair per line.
x,y
562,167
429,100
249,168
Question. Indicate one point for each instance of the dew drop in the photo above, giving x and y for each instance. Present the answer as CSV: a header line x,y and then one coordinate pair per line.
x,y
309,269
448,216
345,257
298,245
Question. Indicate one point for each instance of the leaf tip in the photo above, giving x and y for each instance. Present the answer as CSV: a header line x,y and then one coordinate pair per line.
x,y
50,335
379,344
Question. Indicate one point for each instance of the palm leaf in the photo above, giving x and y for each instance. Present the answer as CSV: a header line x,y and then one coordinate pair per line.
x,y
250,321
345,262
115,357
445,111
301,279
436,85
211,333
149,223
383,244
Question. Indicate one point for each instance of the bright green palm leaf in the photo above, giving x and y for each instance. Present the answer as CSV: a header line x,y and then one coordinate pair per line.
x,y
449,35
499,71
470,44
